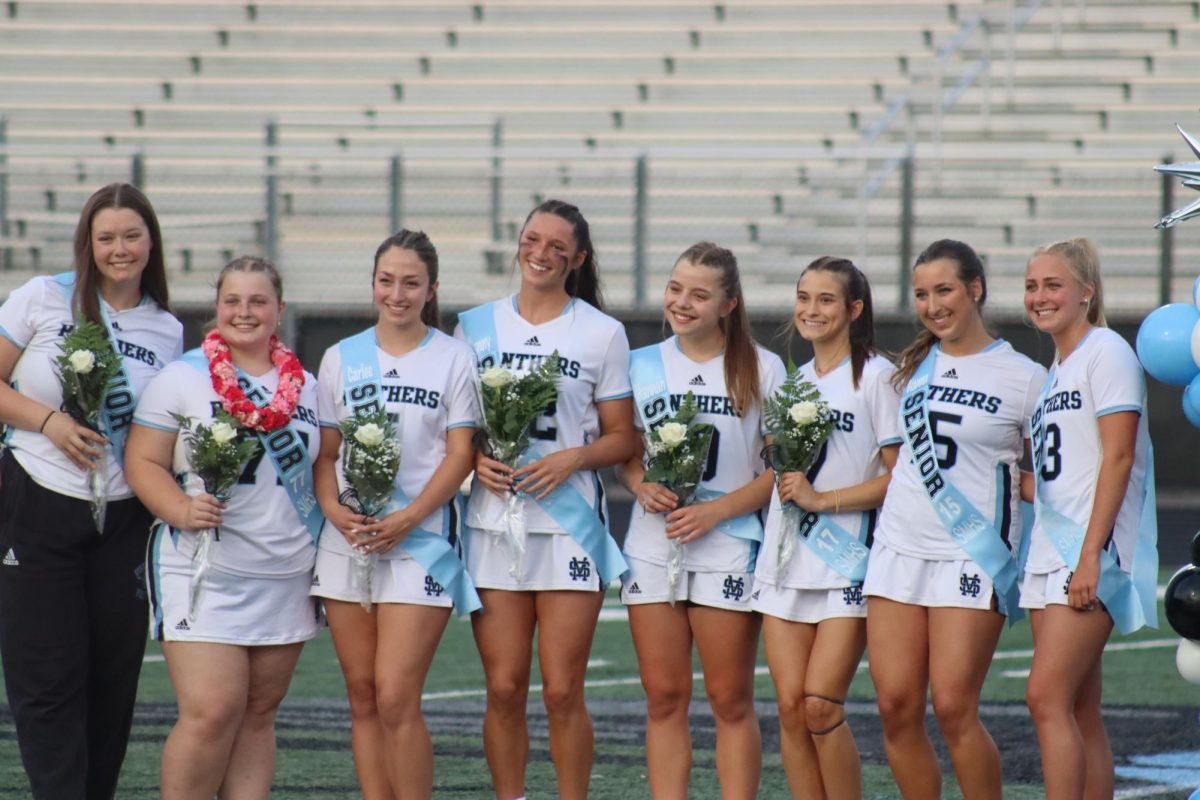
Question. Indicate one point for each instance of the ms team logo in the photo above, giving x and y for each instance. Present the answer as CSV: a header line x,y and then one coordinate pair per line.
x,y
950,373
432,587
852,595
969,585
532,341
1066,583
734,588
580,569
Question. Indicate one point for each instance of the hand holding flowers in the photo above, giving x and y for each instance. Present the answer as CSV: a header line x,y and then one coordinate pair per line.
x,y
798,422
370,460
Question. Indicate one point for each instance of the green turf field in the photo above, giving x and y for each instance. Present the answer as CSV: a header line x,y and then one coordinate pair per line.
x,y
1151,714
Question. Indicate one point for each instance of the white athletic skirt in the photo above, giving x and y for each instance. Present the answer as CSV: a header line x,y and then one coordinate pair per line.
x,y
921,582
1048,588
808,605
396,580
647,583
553,561
233,609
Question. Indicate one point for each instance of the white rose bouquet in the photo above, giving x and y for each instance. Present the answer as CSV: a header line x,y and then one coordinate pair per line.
x,y
677,453
511,404
370,460
798,423
85,366
218,454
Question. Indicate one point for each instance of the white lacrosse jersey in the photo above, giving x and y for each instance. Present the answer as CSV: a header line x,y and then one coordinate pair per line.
x,y
734,459
261,532
35,318
426,392
1101,376
979,409
594,359
866,420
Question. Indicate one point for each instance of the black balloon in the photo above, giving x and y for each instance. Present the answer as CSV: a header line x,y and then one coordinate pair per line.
x,y
1182,603
1196,550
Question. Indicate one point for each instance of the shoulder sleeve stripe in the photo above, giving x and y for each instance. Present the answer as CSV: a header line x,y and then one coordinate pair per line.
x,y
620,396
156,426
8,336
1104,412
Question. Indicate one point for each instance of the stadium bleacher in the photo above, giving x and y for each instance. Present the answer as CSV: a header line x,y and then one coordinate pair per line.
x,y
760,121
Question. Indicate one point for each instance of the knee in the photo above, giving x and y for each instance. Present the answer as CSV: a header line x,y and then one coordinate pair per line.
x,y
1045,700
398,706
731,706
823,714
361,693
792,709
900,710
955,712
666,701
562,698
264,702
213,720
507,694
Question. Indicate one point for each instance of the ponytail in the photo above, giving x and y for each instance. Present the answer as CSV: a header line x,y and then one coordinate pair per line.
x,y
741,354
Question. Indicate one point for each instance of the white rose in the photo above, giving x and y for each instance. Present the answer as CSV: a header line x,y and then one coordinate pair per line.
x,y
223,432
803,413
82,361
672,434
496,377
369,434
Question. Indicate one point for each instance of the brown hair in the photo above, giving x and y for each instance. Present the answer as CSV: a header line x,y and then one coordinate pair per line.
x,y
741,355
418,243
154,276
856,288
1083,262
584,282
252,264
970,268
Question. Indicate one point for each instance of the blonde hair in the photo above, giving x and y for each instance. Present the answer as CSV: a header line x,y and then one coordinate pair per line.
x,y
1083,262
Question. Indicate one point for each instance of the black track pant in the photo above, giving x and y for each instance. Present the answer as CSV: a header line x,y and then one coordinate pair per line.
x,y
73,618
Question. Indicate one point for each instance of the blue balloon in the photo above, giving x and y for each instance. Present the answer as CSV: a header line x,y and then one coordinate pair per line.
x,y
1190,412
1191,401
1164,343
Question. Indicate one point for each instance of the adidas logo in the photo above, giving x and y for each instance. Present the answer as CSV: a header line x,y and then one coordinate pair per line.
x,y
634,588
391,373
10,559
532,341
950,373
755,595
183,626
316,580
697,381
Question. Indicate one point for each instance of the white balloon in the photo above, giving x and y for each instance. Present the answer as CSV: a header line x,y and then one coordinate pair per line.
x,y
1187,660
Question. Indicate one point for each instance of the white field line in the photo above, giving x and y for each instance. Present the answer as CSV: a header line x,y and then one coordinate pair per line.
x,y
536,688
1160,790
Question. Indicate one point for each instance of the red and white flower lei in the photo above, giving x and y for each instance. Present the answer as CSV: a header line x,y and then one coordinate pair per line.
x,y
224,380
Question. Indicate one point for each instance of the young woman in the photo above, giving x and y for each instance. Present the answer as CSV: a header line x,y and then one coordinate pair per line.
x,y
1092,557
713,356
231,651
71,584
814,615
426,382
570,556
942,574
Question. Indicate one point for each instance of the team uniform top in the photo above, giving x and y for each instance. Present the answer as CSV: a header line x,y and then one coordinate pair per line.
x,y
734,458
1101,376
261,533
866,419
979,408
594,360
426,391
35,318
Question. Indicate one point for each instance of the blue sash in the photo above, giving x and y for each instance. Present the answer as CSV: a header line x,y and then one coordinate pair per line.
x,y
286,450
565,505
117,407
970,530
841,550
648,375
363,392
1131,598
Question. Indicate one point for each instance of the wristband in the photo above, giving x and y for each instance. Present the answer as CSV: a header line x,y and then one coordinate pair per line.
x,y
47,419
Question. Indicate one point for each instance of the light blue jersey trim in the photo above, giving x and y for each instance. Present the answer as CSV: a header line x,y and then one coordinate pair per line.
x,y
892,441
566,309
462,425
156,426
1104,412
991,346
621,396
8,336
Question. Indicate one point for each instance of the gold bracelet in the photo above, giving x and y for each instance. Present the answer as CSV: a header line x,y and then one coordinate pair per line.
x,y
837,502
